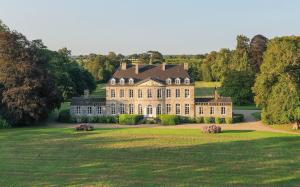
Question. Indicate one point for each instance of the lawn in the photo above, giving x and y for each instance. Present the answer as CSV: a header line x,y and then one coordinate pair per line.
x,y
147,157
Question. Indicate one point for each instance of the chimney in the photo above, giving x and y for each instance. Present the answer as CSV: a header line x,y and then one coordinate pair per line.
x,y
136,68
86,94
186,66
163,66
123,65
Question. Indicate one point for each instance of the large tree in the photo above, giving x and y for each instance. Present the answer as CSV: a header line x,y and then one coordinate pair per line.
x,y
240,59
258,46
277,86
28,90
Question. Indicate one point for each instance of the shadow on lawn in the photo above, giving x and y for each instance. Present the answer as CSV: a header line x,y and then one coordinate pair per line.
x,y
237,131
273,161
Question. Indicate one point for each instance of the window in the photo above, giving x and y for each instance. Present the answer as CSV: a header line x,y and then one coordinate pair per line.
x,y
113,81
112,93
140,93
177,109
122,81
149,110
169,81
140,108
212,110
89,110
149,93
168,93
122,93
223,110
99,110
78,110
131,93
131,81
159,93
200,110
186,109
177,93
113,109
186,93
177,81
186,81
168,108
122,108
131,108
158,109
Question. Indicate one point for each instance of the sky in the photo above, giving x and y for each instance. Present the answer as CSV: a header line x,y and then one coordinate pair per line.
x,y
136,26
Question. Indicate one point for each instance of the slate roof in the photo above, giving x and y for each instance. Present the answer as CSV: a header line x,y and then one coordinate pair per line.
x,y
88,101
213,100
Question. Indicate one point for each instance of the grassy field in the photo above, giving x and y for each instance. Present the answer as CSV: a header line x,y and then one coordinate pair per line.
x,y
100,91
246,107
147,157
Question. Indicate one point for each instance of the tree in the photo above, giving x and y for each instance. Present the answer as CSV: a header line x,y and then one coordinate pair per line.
x,y
28,91
240,59
3,27
237,85
277,86
258,46
221,64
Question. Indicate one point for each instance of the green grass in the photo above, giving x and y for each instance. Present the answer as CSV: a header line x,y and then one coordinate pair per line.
x,y
147,157
246,107
204,84
285,127
99,91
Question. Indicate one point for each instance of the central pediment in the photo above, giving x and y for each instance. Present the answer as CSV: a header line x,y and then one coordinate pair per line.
x,y
150,82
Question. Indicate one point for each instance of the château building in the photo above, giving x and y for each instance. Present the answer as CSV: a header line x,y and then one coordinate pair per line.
x,y
151,90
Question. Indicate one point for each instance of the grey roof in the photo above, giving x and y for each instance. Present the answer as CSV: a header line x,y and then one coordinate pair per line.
x,y
213,100
88,101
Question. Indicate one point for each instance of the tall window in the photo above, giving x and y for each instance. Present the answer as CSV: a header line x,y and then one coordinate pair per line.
x,y
201,110
112,93
177,93
168,93
186,93
78,110
122,108
122,93
149,110
140,93
99,110
186,109
212,110
131,109
140,108
113,109
168,108
177,109
223,110
149,93
130,93
158,109
159,93
89,110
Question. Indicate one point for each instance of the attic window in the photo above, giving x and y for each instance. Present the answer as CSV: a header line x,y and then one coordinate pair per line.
x,y
169,81
122,81
131,81
113,81
186,81
177,81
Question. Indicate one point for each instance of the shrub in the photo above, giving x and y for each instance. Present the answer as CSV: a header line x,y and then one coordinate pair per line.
x,y
228,120
212,129
184,119
64,116
4,124
238,118
129,119
166,119
149,121
208,120
199,120
218,120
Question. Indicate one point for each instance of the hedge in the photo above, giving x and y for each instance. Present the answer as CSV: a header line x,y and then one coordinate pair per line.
x,y
129,119
166,119
218,120
208,120
228,120
238,118
4,124
64,116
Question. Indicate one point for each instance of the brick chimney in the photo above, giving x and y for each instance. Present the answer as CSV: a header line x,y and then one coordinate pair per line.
x,y
163,66
186,66
136,68
123,65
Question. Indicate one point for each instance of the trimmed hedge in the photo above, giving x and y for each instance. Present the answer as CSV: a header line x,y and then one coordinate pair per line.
x,y
218,120
4,124
228,120
166,119
208,120
184,119
199,120
238,118
129,119
100,119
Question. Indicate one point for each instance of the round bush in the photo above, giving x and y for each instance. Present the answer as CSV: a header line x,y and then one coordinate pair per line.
x,y
218,120
228,120
212,129
129,119
208,120
166,119
4,124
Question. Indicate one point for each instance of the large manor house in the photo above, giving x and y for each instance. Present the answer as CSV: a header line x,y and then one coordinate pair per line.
x,y
151,90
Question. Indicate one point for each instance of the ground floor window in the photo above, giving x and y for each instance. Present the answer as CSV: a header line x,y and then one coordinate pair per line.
x,y
131,108
158,109
187,109
201,110
78,110
177,109
122,109
168,108
223,110
113,109
99,110
212,110
89,111
140,109
149,110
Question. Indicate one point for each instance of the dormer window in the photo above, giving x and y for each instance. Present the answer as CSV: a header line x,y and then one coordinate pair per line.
x,y
186,81
177,81
169,81
113,81
131,81
122,81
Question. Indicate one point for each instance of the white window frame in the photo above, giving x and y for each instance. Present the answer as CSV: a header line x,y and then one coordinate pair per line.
x,y
113,93
122,93
187,81
201,111
187,109
159,109
140,93
131,81
187,93
122,108
168,108
223,110
177,93
140,109
149,93
89,110
177,109
78,110
159,93
131,109
99,110
113,109
113,81
212,110
169,81
149,110
177,81
122,81
131,95
168,95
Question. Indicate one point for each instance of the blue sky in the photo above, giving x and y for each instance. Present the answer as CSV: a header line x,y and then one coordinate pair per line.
x,y
134,26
